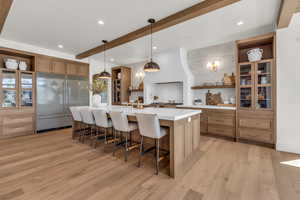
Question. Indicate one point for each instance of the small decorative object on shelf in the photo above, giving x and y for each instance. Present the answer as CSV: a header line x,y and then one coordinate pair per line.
x,y
11,64
23,66
229,80
213,99
255,54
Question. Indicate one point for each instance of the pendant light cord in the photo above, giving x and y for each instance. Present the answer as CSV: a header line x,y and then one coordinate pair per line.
x,y
151,42
104,55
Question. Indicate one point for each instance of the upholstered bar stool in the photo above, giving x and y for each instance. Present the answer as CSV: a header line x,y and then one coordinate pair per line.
x,y
124,128
77,122
88,121
149,127
102,122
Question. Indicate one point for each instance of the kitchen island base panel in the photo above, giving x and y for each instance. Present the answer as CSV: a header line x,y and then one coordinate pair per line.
x,y
183,144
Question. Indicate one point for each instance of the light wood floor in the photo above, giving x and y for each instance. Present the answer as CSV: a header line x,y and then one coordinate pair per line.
x,y
51,166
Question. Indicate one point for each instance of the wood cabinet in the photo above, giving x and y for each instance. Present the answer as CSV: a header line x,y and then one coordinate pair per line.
x,y
61,66
43,64
218,122
256,91
17,95
121,81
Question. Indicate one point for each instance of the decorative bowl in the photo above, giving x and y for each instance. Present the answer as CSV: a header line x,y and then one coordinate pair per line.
x,y
11,64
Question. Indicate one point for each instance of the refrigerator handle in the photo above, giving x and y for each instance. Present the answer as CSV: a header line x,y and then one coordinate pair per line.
x,y
66,92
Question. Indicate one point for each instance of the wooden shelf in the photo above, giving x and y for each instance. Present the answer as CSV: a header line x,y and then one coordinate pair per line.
x,y
264,85
136,90
245,86
199,87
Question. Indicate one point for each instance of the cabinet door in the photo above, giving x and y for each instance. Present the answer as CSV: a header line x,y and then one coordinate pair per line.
x,y
27,83
43,64
83,70
72,69
58,67
9,89
264,85
246,89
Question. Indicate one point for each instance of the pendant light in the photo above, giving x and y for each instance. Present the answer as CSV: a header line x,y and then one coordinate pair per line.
x,y
104,74
151,66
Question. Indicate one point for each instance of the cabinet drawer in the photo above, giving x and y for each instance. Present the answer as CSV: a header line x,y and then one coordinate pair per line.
x,y
17,119
221,121
256,123
24,129
221,130
256,135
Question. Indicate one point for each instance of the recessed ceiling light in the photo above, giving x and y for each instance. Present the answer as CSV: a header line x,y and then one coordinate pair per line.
x,y
154,48
240,23
60,46
101,22
112,60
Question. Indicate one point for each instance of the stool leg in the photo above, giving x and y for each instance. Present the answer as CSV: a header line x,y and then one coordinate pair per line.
x,y
105,135
141,151
157,156
115,142
126,147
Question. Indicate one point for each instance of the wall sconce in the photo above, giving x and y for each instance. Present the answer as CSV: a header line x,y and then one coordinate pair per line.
x,y
213,66
140,75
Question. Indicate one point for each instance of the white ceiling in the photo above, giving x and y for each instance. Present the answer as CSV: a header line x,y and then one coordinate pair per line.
x,y
47,23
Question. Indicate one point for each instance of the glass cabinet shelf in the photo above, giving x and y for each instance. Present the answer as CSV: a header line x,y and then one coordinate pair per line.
x,y
255,89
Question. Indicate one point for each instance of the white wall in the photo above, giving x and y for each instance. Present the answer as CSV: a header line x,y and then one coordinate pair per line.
x,y
173,67
198,59
288,87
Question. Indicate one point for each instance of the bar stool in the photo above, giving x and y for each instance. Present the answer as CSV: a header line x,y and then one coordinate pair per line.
x,y
77,122
121,125
149,127
88,121
102,122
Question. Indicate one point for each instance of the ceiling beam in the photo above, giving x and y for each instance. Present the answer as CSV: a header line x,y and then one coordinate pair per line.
x,y
4,10
287,10
179,17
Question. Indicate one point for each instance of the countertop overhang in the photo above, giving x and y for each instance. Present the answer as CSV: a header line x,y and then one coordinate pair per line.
x,y
206,107
162,113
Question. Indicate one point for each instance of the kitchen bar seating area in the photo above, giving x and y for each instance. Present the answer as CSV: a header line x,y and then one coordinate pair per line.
x,y
181,126
148,100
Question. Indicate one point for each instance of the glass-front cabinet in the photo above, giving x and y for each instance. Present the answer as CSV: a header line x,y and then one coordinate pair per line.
x,y
9,89
255,85
17,88
26,89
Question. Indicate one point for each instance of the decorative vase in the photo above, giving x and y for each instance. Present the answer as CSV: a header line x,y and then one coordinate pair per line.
x,y
23,66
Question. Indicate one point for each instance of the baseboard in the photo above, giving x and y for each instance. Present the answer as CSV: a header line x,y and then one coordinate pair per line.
x,y
290,148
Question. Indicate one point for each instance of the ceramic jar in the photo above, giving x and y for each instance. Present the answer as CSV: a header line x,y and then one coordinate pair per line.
x,y
22,65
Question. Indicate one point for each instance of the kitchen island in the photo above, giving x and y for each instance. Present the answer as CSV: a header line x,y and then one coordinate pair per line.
x,y
183,133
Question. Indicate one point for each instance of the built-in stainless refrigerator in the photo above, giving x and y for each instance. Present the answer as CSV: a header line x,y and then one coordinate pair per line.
x,y
55,94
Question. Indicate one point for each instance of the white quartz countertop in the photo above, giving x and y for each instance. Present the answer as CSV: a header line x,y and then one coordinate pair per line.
x,y
207,107
162,113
